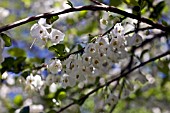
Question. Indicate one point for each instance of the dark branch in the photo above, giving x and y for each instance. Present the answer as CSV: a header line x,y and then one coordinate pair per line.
x,y
115,79
88,7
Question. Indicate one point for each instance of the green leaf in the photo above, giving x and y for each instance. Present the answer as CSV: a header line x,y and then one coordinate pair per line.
x,y
6,39
131,2
18,100
52,19
59,49
136,10
62,95
157,10
17,52
69,3
25,110
115,2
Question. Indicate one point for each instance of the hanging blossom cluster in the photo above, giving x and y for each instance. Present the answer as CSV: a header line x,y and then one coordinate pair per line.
x,y
99,57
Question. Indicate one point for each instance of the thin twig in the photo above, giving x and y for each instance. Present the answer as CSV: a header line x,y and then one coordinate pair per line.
x,y
81,8
117,78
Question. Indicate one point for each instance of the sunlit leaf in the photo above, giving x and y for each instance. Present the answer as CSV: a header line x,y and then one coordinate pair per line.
x,y
59,49
52,19
18,100
6,39
115,2
17,52
62,95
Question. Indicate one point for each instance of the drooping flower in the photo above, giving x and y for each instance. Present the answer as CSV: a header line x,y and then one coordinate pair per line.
x,y
54,66
136,39
66,80
39,31
118,30
56,36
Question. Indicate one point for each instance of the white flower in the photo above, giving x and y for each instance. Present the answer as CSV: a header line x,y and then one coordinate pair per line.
x,y
102,41
3,13
103,23
86,59
56,36
55,66
51,79
36,108
111,55
136,39
37,81
30,79
118,30
66,80
42,21
39,31
78,75
115,43
4,75
96,62
111,100
91,49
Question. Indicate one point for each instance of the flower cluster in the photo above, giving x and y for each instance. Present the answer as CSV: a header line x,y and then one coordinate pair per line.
x,y
99,57
40,31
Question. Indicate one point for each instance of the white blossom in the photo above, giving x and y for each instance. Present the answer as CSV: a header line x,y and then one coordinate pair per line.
x,y
66,80
39,31
136,39
54,66
56,36
103,23
118,30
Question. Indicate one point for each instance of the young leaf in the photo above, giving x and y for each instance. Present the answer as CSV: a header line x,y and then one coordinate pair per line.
x,y
17,52
6,39
59,49
69,3
52,19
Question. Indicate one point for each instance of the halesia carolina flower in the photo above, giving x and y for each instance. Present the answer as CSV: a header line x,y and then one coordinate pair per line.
x,y
56,36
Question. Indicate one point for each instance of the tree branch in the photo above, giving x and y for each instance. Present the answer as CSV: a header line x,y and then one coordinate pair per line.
x,y
117,78
81,8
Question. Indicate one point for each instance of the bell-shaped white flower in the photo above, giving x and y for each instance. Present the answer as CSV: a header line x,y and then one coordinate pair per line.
x,y
37,81
115,43
111,100
118,30
55,66
39,31
78,75
30,79
103,23
112,56
56,36
136,39
102,41
42,21
50,79
96,62
86,59
66,80
91,49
